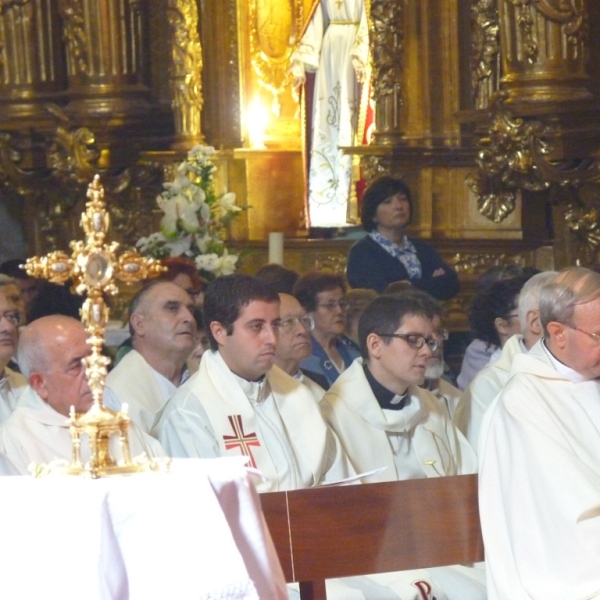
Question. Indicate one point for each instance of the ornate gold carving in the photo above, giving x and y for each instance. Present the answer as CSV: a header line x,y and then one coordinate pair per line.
x,y
507,161
485,54
273,29
478,263
331,263
93,266
75,37
186,75
584,223
386,47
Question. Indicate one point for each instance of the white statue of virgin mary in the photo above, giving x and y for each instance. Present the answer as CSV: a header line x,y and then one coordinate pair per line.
x,y
335,45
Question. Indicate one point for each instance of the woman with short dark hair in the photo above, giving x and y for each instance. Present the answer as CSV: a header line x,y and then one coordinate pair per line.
x,y
323,297
387,254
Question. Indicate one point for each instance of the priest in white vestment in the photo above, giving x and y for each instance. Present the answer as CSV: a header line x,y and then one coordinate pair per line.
x,y
51,353
488,383
335,44
384,419
163,336
539,481
239,403
11,382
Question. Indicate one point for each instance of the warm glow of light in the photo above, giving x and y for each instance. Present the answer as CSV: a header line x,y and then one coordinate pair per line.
x,y
258,118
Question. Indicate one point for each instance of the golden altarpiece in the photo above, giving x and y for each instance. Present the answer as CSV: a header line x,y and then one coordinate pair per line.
x,y
488,108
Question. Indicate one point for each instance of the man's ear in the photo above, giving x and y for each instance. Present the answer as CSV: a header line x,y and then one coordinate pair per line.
x,y
533,322
138,324
557,333
219,332
374,343
36,381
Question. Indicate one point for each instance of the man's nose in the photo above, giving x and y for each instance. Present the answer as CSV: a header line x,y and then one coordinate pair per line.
x,y
270,334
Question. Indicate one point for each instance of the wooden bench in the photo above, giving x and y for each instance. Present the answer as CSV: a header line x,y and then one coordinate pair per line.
x,y
328,532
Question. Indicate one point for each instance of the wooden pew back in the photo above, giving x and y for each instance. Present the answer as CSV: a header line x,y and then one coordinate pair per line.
x,y
328,532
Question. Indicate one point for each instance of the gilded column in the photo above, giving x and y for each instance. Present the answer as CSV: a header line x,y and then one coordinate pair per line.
x,y
186,72
31,67
386,50
544,49
106,63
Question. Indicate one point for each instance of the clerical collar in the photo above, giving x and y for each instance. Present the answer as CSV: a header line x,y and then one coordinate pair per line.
x,y
386,398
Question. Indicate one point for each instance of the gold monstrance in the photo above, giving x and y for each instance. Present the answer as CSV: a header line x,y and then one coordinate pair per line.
x,y
94,266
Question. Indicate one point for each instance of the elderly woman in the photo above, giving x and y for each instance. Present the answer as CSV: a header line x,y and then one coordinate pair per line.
x,y
322,295
387,254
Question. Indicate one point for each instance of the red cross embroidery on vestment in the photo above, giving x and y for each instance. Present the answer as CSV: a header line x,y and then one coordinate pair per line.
x,y
241,440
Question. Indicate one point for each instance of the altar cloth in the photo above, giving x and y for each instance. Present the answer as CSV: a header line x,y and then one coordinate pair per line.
x,y
195,532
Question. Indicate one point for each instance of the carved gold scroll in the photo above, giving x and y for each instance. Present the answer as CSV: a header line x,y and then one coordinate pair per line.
x,y
544,49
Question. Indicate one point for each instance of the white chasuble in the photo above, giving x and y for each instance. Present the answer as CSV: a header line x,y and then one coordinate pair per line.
x,y
277,424
12,385
539,483
35,432
135,382
336,35
367,432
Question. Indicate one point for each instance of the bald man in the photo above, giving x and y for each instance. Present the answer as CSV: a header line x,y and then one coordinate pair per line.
x,y
51,352
163,334
11,382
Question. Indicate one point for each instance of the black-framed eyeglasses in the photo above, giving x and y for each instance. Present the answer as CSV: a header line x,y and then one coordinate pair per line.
x,y
12,316
592,335
414,340
291,323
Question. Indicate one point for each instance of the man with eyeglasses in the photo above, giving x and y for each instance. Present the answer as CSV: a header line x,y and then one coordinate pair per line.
x,y
490,381
539,454
12,383
384,419
240,403
294,345
379,412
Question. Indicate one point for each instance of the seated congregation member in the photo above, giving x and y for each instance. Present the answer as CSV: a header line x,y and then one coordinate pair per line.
x,y
478,353
488,383
358,299
11,382
280,278
183,272
163,333
51,352
29,287
384,419
539,480
239,403
201,343
387,254
322,295
293,345
380,414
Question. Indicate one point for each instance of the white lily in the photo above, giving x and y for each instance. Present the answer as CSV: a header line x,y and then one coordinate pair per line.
x,y
207,262
225,205
226,264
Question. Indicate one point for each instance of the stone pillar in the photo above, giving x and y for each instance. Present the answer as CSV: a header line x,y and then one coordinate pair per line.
x,y
31,67
106,61
544,49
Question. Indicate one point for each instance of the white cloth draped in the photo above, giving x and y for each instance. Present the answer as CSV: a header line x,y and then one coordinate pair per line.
x,y
276,423
193,533
336,36
12,385
144,390
539,483
486,385
36,433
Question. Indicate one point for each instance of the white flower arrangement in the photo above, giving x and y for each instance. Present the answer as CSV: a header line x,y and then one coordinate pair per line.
x,y
194,217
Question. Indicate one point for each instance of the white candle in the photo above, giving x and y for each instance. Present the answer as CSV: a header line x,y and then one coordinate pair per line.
x,y
276,247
